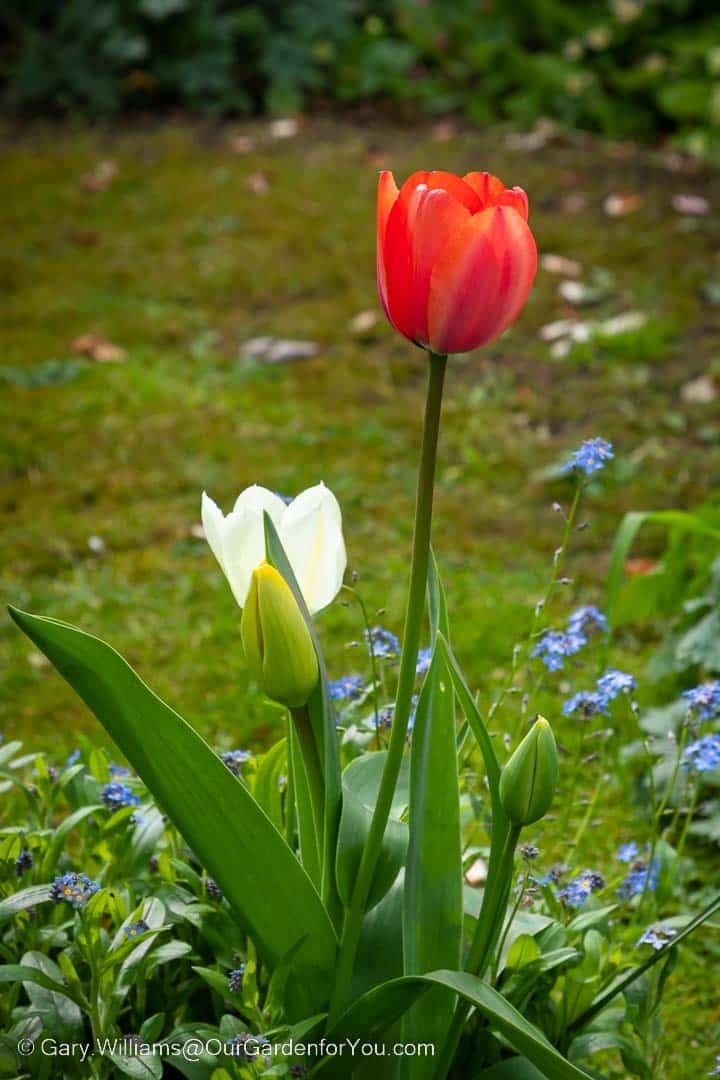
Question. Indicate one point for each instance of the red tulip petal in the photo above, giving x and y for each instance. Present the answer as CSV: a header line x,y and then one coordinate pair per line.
x,y
456,187
386,198
486,186
480,280
420,224
516,198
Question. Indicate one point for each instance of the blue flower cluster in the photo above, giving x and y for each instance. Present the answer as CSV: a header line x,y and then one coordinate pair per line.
x,y
386,714
73,758
424,657
703,755
235,759
628,853
74,888
23,862
716,1070
116,796
640,878
235,979
590,456
348,688
555,645
576,892
704,699
657,936
608,687
382,642
134,929
118,771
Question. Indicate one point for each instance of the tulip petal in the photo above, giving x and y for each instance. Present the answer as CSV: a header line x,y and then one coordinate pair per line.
x,y
456,186
420,225
481,280
492,192
311,533
213,523
257,499
243,548
387,194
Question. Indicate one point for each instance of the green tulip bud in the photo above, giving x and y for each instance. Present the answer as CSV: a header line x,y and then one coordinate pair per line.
x,y
528,781
278,648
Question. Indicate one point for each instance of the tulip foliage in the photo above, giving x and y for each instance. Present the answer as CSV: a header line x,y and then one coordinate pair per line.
x,y
350,886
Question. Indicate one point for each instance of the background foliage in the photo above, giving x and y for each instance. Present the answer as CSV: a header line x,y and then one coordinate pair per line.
x,y
623,67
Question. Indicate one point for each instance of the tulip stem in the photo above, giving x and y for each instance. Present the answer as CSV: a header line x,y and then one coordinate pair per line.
x,y
354,913
313,772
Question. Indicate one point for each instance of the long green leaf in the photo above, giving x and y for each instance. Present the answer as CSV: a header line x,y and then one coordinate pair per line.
x,y
476,722
234,839
377,1010
625,537
432,917
26,898
437,604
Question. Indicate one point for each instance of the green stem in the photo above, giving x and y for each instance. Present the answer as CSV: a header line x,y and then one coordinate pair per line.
x,y
313,772
353,917
488,929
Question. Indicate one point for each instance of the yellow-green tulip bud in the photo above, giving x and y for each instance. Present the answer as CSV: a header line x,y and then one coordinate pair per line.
x,y
528,781
278,648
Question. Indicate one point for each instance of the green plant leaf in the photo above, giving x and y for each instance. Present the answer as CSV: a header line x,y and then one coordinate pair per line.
x,y
20,901
361,781
624,981
477,725
625,537
233,838
377,1010
432,918
437,605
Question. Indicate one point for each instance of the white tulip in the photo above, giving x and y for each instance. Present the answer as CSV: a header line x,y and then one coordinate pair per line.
x,y
310,530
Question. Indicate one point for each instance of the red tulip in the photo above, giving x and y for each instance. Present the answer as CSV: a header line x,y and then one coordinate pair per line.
x,y
455,257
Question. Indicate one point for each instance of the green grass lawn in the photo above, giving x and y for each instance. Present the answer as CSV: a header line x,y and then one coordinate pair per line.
x,y
179,262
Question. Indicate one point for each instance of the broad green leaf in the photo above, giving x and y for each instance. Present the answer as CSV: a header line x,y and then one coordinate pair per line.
x,y
20,901
517,1068
433,902
361,782
60,1013
625,537
380,951
322,719
377,1010
524,950
24,973
236,842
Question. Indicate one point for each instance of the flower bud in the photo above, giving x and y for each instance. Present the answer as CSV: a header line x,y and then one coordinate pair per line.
x,y
278,648
528,781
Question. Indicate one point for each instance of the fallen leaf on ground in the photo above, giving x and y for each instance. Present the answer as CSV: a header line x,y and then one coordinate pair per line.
x,y
636,567
691,205
270,350
444,131
363,323
258,183
618,204
699,391
98,348
623,324
241,144
284,127
559,264
101,176
476,873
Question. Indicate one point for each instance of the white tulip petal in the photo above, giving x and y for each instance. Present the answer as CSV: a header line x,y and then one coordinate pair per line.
x,y
311,533
213,523
257,499
243,549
